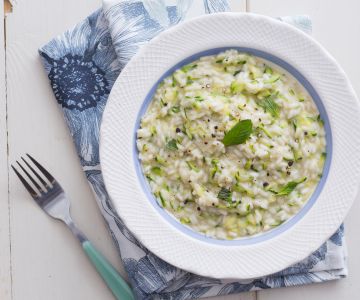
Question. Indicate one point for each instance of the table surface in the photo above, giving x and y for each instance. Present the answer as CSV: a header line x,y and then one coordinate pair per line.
x,y
39,259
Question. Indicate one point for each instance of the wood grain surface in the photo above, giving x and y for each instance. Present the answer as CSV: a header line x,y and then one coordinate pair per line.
x,y
39,259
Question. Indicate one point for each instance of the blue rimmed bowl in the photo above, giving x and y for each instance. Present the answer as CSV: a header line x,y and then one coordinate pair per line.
x,y
264,253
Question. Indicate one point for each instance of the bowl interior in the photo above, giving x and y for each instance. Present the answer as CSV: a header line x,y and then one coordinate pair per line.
x,y
261,236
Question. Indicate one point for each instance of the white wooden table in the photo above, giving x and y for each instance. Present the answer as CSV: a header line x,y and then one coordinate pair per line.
x,y
39,259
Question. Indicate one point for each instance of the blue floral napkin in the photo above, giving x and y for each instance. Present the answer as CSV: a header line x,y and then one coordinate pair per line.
x,y
82,65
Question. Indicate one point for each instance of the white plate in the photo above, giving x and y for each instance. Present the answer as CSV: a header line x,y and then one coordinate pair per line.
x,y
293,240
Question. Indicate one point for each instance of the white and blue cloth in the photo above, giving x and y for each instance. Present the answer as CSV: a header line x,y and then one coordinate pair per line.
x,y
82,65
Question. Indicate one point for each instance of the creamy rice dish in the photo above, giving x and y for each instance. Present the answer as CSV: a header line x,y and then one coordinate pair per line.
x,y
231,145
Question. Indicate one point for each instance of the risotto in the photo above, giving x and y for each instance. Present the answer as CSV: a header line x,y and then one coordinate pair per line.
x,y
231,145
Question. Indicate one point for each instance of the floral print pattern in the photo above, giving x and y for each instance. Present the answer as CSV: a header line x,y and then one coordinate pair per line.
x,y
82,65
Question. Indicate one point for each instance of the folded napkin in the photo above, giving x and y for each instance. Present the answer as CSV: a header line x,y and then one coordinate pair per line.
x,y
82,65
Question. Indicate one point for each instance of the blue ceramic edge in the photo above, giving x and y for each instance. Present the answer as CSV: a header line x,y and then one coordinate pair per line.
x,y
262,236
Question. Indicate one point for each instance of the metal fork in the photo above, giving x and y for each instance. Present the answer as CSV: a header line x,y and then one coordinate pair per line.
x,y
50,196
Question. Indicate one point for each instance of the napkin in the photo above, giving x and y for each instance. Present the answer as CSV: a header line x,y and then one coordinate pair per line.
x,y
82,65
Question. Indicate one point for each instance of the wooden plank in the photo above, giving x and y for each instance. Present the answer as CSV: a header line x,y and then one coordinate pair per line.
x,y
5,276
47,262
335,25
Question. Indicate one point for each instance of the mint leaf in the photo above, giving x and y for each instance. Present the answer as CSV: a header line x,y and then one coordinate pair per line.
x,y
238,134
225,195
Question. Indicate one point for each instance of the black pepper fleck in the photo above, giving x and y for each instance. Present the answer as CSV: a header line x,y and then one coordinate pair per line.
x,y
288,172
305,133
213,204
267,174
265,184
215,127
198,208
165,104
178,130
290,163
213,135
205,143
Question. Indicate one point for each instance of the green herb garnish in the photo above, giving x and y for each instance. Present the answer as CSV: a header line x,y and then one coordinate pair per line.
x,y
225,194
171,145
238,134
270,106
289,187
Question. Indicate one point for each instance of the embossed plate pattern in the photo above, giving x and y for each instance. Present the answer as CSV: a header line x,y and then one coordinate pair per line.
x,y
134,203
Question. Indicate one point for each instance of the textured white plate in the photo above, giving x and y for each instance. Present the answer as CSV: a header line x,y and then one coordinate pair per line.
x,y
176,246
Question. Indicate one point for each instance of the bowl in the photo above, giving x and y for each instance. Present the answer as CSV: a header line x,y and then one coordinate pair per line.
x,y
268,252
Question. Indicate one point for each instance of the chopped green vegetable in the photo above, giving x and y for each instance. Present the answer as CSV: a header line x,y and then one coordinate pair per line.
x,y
247,165
162,200
289,187
199,98
236,87
267,133
159,159
291,91
270,106
225,194
156,171
162,102
185,220
294,123
238,134
219,61
192,166
215,168
268,70
241,62
187,68
153,130
272,79
172,145
149,178
175,109
236,72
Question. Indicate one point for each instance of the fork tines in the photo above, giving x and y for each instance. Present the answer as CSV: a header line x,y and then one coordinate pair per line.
x,y
38,190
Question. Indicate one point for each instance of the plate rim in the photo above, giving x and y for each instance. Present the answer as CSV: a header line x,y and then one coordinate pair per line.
x,y
108,172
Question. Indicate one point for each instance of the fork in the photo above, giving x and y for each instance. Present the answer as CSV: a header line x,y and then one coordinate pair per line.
x,y
50,196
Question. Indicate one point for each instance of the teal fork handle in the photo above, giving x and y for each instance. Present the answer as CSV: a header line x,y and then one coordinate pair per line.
x,y
117,285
